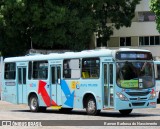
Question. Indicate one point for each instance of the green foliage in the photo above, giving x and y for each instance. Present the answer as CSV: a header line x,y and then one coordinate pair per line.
x,y
118,12
59,24
155,7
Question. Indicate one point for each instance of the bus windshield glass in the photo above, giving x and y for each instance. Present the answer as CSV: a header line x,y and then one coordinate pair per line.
x,y
137,75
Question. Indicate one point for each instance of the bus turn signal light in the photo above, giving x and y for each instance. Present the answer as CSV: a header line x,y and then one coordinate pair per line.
x,y
153,94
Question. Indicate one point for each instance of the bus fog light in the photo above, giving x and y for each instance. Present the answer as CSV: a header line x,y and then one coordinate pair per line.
x,y
122,96
152,103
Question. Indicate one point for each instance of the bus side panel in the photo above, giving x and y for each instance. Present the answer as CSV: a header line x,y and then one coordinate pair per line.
x,y
68,94
9,91
74,91
32,88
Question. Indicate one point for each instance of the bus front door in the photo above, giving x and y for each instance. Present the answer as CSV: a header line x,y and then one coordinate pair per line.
x,y
108,85
21,87
55,89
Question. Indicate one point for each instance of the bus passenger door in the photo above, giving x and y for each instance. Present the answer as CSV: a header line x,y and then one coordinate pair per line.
x,y
21,87
55,89
108,75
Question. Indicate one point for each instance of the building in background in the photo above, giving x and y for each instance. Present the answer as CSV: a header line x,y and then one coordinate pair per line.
x,y
142,33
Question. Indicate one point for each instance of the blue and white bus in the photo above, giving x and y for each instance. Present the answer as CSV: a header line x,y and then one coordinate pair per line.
x,y
96,80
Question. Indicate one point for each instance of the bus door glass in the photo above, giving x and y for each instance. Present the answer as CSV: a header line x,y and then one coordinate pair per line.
x,y
157,75
22,85
108,85
55,89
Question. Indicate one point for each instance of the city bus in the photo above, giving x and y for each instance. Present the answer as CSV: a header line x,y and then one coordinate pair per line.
x,y
157,77
93,80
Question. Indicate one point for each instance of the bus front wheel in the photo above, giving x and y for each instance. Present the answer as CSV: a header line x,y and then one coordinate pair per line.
x,y
91,107
125,112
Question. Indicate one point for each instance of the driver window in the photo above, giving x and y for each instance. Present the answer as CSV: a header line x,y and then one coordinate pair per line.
x,y
157,71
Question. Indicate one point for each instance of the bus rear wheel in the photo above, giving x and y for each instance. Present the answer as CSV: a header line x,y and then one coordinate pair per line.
x,y
33,103
125,112
91,107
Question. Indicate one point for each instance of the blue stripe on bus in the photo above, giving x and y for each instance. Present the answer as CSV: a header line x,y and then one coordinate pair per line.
x,y
68,94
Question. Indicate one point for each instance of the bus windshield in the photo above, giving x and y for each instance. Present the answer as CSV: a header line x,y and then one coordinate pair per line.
x,y
137,75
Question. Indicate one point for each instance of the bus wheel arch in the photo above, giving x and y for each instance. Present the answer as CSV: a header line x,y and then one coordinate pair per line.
x,y
89,102
33,103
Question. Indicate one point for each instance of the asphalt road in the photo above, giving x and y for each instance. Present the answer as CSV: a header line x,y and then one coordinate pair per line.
x,y
12,112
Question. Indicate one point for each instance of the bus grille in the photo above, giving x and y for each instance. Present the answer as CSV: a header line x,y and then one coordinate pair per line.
x,y
138,104
138,99
137,93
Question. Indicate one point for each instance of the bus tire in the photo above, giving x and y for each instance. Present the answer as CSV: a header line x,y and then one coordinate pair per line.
x,y
33,104
125,112
91,107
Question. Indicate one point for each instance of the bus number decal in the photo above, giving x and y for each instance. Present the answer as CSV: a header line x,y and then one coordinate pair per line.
x,y
32,85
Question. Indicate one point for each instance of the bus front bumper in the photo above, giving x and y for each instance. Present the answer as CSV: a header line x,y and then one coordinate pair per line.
x,y
120,105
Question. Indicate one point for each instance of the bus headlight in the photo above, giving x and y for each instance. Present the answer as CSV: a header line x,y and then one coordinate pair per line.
x,y
122,96
153,95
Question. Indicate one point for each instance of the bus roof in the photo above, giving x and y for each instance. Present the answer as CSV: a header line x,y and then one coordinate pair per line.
x,y
157,61
86,53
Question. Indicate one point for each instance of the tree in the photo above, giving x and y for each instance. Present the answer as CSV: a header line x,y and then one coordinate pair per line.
x,y
118,12
59,24
155,7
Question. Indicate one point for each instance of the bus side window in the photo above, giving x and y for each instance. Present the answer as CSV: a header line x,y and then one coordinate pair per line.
x,y
66,68
10,71
40,69
30,70
90,68
71,68
157,71
111,73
